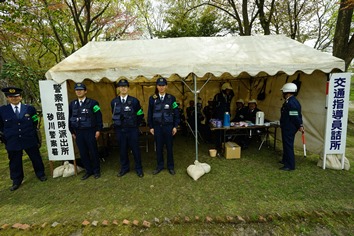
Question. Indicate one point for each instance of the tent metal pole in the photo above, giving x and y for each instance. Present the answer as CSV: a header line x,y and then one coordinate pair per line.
x,y
196,115
195,91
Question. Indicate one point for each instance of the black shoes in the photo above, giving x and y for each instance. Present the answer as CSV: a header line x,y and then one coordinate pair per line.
x,y
155,172
98,175
42,178
285,168
140,174
281,162
86,176
171,171
14,187
122,173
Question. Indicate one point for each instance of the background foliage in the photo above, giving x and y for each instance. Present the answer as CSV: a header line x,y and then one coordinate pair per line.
x,y
35,35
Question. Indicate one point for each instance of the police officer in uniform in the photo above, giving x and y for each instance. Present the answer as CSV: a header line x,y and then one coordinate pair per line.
x,y
290,123
18,125
222,103
208,111
250,112
240,111
127,116
163,120
85,126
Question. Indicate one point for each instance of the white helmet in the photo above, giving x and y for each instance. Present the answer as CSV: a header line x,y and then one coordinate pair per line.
x,y
226,86
240,101
253,101
289,88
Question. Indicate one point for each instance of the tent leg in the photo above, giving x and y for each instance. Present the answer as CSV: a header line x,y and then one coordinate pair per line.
x,y
75,166
51,167
195,91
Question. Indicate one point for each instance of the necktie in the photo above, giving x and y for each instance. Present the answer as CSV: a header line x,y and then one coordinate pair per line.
x,y
162,98
17,112
80,103
123,100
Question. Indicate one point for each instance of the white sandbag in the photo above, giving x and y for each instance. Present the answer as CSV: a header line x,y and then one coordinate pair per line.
x,y
69,169
57,172
346,163
334,161
79,169
205,166
195,171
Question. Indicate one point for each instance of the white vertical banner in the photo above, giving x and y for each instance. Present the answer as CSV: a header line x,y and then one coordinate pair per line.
x,y
337,115
55,106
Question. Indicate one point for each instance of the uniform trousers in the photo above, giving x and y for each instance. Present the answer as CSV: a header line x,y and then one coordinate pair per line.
x,y
163,137
87,144
16,166
129,138
288,138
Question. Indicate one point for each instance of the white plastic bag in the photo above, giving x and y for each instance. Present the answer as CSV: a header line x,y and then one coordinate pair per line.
x,y
205,166
198,170
195,171
57,172
69,169
334,161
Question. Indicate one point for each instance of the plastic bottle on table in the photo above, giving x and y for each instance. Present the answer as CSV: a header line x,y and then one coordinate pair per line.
x,y
226,120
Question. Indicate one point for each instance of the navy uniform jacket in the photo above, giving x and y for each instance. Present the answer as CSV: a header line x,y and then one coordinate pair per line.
x,y
88,116
19,133
208,112
163,112
129,114
250,115
222,103
240,114
291,117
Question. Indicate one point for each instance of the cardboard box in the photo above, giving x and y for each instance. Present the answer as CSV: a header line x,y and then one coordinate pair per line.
x,y
232,150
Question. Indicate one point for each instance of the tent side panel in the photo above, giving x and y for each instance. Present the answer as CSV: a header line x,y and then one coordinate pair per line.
x,y
312,97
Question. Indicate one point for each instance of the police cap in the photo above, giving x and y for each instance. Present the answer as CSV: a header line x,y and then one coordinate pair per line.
x,y
161,81
80,86
122,83
11,91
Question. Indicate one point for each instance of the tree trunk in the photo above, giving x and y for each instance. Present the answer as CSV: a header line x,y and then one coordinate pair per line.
x,y
343,46
246,22
263,19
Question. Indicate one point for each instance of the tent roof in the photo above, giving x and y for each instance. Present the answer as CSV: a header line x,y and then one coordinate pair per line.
x,y
201,55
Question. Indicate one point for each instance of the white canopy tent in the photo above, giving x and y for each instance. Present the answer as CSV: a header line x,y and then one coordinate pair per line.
x,y
245,62
255,55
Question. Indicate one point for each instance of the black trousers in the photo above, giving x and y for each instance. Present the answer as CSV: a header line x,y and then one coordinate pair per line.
x,y
16,166
87,144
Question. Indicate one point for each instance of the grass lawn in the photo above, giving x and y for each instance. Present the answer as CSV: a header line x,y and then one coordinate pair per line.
x,y
249,196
